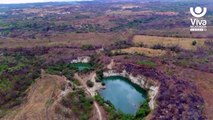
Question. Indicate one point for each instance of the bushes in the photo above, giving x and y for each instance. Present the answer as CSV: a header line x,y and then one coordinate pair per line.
x,y
99,75
168,94
121,44
113,114
49,102
158,46
19,66
99,99
96,62
141,44
194,43
87,47
79,103
17,73
175,48
68,69
209,43
90,83
143,111
62,69
68,73
3,67
5,84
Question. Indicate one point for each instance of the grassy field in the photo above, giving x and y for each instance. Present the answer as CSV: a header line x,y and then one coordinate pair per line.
x,y
184,43
68,39
143,51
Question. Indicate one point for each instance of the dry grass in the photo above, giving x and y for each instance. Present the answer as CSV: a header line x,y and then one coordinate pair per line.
x,y
128,12
146,12
145,51
42,97
69,39
185,43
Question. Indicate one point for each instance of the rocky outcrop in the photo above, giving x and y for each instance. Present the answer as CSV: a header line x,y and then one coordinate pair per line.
x,y
83,59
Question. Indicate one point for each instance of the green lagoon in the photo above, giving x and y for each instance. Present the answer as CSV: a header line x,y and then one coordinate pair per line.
x,y
81,66
123,94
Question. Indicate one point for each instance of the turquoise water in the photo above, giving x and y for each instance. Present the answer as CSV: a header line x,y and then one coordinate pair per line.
x,y
124,95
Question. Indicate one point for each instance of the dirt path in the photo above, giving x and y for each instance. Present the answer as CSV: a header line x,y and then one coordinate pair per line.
x,y
83,82
98,110
111,64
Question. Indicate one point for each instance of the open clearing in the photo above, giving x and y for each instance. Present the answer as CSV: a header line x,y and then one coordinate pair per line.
x,y
184,43
144,51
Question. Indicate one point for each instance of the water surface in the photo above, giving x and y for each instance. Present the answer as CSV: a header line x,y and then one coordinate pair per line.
x,y
124,95
81,66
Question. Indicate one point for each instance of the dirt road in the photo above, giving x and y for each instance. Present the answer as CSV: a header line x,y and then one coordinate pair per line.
x,y
83,82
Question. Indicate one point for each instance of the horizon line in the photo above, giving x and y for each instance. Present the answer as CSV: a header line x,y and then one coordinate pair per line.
x,y
44,2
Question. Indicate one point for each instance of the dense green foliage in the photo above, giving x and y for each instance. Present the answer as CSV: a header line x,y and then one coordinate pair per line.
x,y
63,69
99,75
79,103
113,114
17,73
99,99
3,67
68,70
96,62
142,112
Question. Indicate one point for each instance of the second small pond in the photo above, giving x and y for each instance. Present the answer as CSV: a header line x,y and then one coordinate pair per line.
x,y
81,66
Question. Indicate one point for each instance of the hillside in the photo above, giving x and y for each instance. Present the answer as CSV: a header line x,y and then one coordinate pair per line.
x,y
105,60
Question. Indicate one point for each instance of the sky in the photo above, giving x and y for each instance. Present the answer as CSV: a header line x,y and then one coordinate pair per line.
x,y
32,1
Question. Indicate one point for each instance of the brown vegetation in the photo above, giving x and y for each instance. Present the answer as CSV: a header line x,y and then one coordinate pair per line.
x,y
202,80
142,51
70,39
184,43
